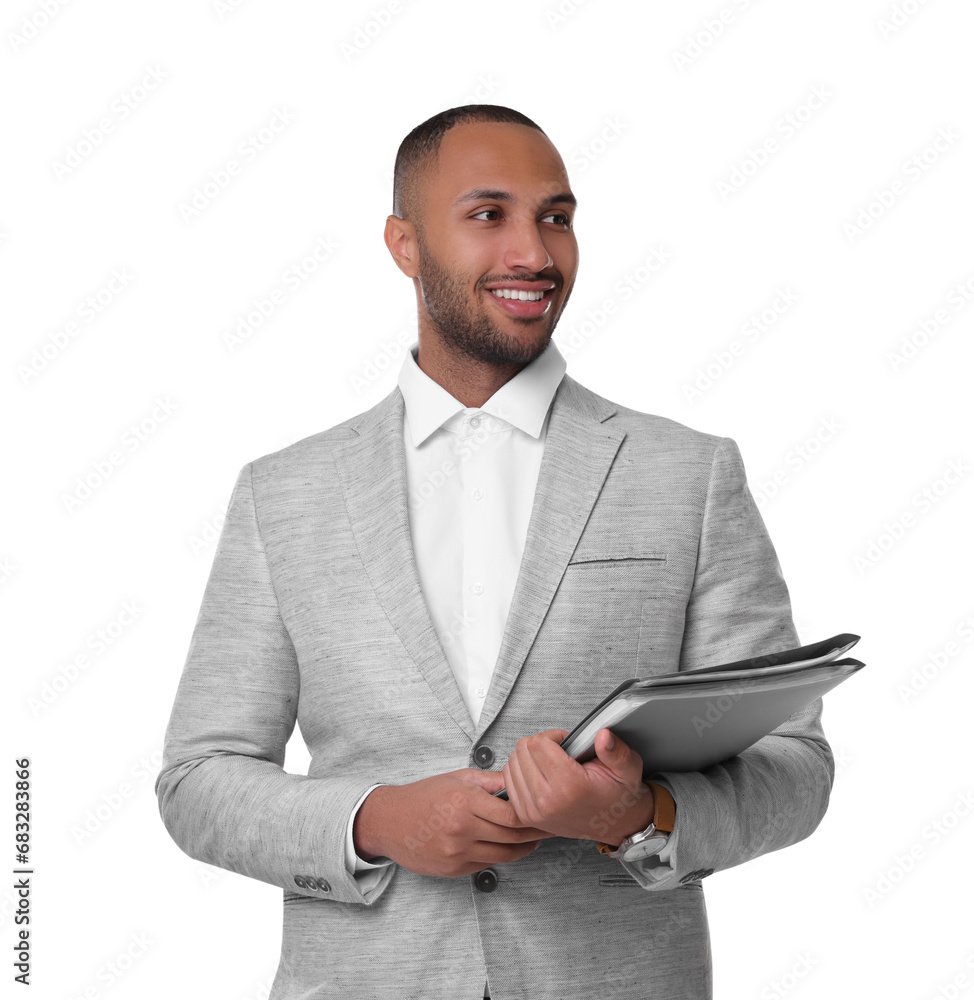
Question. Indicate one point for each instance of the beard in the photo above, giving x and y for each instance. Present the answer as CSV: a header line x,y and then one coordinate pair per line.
x,y
473,333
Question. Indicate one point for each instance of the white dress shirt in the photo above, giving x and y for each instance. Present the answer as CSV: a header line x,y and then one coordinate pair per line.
x,y
471,474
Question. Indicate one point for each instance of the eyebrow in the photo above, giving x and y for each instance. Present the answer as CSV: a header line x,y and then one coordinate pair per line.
x,y
491,194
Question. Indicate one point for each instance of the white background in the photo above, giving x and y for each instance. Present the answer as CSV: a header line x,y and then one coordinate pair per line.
x,y
841,432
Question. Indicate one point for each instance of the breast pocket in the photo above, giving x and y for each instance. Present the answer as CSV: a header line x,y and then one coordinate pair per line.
x,y
661,621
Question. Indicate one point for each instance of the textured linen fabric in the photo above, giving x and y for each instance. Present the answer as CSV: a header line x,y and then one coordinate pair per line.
x,y
645,553
471,475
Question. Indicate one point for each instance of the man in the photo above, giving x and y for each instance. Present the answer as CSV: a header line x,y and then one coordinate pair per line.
x,y
433,589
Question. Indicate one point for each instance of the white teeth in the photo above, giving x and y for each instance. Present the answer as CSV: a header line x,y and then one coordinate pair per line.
x,y
510,293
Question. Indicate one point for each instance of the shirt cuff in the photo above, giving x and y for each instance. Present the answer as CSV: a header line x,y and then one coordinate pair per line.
x,y
658,867
353,862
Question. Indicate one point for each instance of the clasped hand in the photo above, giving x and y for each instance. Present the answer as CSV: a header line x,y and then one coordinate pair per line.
x,y
602,799
453,824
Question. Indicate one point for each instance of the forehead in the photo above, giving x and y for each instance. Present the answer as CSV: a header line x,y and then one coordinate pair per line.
x,y
496,156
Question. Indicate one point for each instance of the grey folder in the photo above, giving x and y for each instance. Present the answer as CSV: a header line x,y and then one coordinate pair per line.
x,y
689,720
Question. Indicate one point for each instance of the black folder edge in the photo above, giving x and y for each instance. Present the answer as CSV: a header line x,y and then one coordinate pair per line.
x,y
834,647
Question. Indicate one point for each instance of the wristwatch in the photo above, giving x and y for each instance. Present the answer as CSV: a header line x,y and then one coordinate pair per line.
x,y
652,840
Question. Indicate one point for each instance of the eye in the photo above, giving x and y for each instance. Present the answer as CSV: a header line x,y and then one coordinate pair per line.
x,y
486,211
561,217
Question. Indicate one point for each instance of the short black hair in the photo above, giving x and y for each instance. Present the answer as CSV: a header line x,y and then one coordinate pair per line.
x,y
418,151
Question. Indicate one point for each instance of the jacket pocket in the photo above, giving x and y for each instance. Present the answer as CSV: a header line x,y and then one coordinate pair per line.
x,y
618,881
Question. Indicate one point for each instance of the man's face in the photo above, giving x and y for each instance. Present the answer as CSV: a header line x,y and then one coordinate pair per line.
x,y
498,214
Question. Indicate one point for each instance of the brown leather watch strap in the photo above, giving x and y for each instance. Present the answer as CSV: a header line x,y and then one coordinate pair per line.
x,y
664,815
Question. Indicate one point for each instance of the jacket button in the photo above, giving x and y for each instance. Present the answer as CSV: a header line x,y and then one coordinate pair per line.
x,y
486,881
323,885
300,882
483,756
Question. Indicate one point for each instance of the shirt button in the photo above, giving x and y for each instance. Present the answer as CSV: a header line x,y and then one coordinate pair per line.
x,y
477,493
477,588
486,881
483,756
475,421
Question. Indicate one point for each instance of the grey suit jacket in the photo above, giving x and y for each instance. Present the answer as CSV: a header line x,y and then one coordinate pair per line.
x,y
645,554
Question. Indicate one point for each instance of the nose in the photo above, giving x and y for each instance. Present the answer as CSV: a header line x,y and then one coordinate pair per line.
x,y
526,248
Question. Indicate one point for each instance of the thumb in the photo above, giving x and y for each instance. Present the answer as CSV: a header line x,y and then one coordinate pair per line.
x,y
610,750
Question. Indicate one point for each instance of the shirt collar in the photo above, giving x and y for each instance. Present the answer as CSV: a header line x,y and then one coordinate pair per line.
x,y
522,401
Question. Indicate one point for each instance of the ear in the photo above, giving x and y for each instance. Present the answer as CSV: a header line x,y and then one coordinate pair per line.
x,y
400,237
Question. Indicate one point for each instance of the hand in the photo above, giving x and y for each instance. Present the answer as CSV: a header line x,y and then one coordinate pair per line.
x,y
603,799
448,825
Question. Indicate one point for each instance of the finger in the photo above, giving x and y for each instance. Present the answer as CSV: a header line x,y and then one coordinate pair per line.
x,y
500,811
544,765
555,735
490,781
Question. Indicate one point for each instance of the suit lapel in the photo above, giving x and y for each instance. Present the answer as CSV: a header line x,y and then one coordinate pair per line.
x,y
579,450
372,468
578,453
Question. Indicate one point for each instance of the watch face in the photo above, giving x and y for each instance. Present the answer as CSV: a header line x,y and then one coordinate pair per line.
x,y
645,848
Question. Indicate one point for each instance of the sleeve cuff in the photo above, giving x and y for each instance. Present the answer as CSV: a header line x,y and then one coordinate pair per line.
x,y
353,862
657,871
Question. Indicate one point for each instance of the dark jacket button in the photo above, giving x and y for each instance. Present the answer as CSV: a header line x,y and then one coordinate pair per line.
x,y
300,882
483,756
486,881
323,885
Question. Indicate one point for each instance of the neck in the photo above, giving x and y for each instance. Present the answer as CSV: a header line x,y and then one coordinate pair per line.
x,y
466,379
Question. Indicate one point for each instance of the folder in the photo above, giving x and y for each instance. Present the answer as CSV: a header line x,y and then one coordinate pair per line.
x,y
689,720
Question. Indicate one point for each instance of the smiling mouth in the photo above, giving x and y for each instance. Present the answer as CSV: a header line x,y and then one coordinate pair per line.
x,y
522,304
513,293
